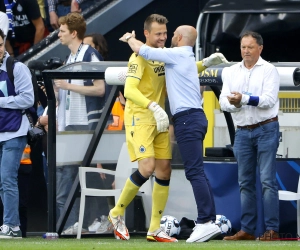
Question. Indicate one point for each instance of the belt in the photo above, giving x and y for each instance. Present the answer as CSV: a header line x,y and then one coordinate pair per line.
x,y
253,126
185,112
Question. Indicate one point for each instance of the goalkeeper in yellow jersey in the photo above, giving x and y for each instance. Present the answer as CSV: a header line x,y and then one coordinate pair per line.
x,y
147,136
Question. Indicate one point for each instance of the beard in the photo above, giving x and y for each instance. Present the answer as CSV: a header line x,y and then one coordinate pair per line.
x,y
173,44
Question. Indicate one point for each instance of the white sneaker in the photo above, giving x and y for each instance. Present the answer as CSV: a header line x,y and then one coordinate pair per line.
x,y
106,226
204,232
73,230
120,229
94,226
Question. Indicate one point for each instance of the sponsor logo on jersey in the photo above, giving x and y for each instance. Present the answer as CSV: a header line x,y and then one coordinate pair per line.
x,y
160,70
133,68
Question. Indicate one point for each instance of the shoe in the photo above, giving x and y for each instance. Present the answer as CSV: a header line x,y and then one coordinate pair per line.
x,y
160,236
240,235
269,235
8,233
105,227
120,230
71,230
204,232
95,225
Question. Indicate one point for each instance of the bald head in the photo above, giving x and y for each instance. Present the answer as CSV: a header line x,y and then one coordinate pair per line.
x,y
184,35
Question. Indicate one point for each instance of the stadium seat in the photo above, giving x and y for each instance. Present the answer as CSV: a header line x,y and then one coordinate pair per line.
x,y
292,196
123,170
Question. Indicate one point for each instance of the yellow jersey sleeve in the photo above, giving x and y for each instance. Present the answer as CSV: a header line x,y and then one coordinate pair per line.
x,y
200,67
145,82
132,92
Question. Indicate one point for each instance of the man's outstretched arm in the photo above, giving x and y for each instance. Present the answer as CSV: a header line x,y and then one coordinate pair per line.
x,y
134,44
213,59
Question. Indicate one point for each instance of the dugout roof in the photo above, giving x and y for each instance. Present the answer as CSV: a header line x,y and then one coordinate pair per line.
x,y
224,21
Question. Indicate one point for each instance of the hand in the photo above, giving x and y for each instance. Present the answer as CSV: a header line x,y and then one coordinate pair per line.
x,y
125,38
235,99
43,120
214,59
75,6
42,87
61,84
102,175
54,20
161,117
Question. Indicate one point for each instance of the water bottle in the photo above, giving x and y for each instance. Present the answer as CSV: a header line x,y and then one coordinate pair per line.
x,y
50,236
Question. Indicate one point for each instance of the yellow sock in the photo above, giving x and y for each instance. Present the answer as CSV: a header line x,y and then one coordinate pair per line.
x,y
159,200
128,193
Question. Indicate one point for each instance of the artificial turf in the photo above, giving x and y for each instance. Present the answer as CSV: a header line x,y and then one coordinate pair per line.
x,y
138,242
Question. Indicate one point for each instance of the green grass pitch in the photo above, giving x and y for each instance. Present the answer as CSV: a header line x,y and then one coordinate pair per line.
x,y
137,242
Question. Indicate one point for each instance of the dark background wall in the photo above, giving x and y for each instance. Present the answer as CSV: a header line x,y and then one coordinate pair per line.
x,y
178,12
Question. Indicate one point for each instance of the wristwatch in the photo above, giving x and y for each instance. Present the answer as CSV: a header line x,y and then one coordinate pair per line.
x,y
128,37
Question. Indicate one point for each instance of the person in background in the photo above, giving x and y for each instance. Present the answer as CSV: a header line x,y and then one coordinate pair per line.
x,y
26,25
80,103
14,125
59,8
4,23
250,93
190,123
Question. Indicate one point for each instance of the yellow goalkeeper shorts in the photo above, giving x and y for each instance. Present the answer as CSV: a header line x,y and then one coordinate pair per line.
x,y
143,141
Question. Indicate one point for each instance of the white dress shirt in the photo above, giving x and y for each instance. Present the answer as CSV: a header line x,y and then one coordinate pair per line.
x,y
262,81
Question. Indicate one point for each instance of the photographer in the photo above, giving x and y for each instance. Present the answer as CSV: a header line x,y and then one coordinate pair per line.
x,y
36,67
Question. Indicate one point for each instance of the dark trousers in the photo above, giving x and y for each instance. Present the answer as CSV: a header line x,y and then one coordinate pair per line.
x,y
190,129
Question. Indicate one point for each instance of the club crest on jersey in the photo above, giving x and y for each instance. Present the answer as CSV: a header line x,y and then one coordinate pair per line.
x,y
133,68
142,149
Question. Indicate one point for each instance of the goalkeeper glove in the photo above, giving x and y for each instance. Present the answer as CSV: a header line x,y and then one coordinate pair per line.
x,y
214,59
161,117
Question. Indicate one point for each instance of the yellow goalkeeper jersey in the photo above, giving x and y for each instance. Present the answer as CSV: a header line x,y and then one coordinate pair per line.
x,y
145,82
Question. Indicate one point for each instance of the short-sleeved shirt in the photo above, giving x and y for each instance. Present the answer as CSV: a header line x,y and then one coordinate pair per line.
x,y
23,12
152,85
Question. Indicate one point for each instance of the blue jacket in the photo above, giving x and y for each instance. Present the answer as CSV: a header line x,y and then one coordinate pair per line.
x,y
13,100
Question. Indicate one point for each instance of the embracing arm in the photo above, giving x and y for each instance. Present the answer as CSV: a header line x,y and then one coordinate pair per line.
x,y
134,44
213,59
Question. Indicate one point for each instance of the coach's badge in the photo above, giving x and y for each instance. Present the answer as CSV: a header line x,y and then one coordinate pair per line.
x,y
142,149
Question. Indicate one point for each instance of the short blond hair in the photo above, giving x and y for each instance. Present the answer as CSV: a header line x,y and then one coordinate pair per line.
x,y
154,18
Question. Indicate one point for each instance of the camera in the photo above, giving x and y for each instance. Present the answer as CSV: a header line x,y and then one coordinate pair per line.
x,y
34,135
37,66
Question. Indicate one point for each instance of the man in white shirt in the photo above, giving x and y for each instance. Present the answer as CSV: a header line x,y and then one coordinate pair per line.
x,y
250,93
